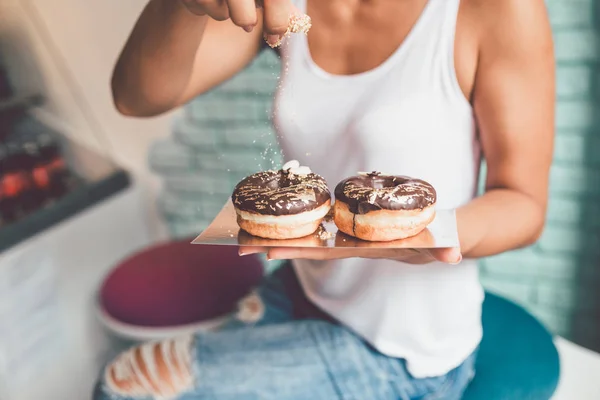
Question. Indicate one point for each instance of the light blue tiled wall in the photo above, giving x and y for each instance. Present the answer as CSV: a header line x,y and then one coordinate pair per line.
x,y
558,278
222,136
226,134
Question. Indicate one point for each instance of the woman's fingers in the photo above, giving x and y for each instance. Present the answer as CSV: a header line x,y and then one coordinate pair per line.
x,y
289,253
293,253
276,19
414,256
247,250
451,255
215,9
243,13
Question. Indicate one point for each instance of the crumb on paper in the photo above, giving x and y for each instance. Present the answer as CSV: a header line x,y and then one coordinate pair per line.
x,y
323,233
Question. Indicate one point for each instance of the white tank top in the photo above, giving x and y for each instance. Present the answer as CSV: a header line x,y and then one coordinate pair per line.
x,y
408,116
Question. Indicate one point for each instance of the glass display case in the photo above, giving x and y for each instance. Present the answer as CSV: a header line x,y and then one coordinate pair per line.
x,y
60,195
46,178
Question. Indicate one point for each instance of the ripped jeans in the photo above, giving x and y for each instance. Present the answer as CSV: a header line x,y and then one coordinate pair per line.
x,y
280,347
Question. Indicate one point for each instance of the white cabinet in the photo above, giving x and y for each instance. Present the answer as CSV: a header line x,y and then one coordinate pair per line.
x,y
56,344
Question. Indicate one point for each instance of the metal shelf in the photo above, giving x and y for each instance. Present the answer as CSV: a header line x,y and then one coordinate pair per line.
x,y
20,102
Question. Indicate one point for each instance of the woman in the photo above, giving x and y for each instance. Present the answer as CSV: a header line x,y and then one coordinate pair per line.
x,y
415,87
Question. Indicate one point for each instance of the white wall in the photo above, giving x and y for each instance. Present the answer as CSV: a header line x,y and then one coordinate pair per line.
x,y
68,48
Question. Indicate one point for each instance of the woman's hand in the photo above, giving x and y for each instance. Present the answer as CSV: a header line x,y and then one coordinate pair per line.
x,y
244,13
411,256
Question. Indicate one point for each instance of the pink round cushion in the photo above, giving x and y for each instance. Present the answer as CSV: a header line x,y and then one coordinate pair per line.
x,y
178,283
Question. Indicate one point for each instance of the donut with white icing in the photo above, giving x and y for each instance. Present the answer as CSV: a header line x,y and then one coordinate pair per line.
x,y
285,204
377,207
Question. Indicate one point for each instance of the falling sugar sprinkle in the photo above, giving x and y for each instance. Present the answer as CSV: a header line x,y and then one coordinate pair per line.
x,y
297,24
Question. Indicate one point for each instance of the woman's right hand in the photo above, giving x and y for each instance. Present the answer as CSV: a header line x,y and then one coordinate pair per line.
x,y
244,13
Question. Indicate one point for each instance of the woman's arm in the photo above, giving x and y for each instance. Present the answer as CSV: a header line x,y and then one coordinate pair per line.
x,y
174,54
514,106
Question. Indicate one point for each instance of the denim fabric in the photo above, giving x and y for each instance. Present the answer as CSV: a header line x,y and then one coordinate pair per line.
x,y
279,347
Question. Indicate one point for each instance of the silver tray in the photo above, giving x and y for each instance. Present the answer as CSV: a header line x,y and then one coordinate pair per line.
x,y
224,230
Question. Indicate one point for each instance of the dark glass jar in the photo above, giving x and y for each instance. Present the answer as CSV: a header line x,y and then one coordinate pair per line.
x,y
51,172
14,181
33,196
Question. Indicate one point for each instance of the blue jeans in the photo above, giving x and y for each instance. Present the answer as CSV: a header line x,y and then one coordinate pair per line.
x,y
279,346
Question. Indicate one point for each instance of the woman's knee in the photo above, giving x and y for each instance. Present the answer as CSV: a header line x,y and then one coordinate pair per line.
x,y
154,370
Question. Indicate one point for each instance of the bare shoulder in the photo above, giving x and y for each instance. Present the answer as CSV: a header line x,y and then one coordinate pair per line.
x,y
495,34
511,26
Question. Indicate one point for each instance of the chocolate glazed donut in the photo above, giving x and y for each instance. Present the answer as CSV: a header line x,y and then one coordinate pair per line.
x,y
377,207
285,204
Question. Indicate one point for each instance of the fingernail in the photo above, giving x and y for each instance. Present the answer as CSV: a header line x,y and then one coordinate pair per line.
x,y
250,250
273,39
242,253
458,261
249,28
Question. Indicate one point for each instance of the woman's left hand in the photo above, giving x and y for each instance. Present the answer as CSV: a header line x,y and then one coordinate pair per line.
x,y
411,256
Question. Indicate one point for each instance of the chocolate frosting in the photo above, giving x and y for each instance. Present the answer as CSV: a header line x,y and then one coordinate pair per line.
x,y
280,193
375,191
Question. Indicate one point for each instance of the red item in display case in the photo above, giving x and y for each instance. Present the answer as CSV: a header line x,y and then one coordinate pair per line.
x,y
32,171
13,182
50,172
33,197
